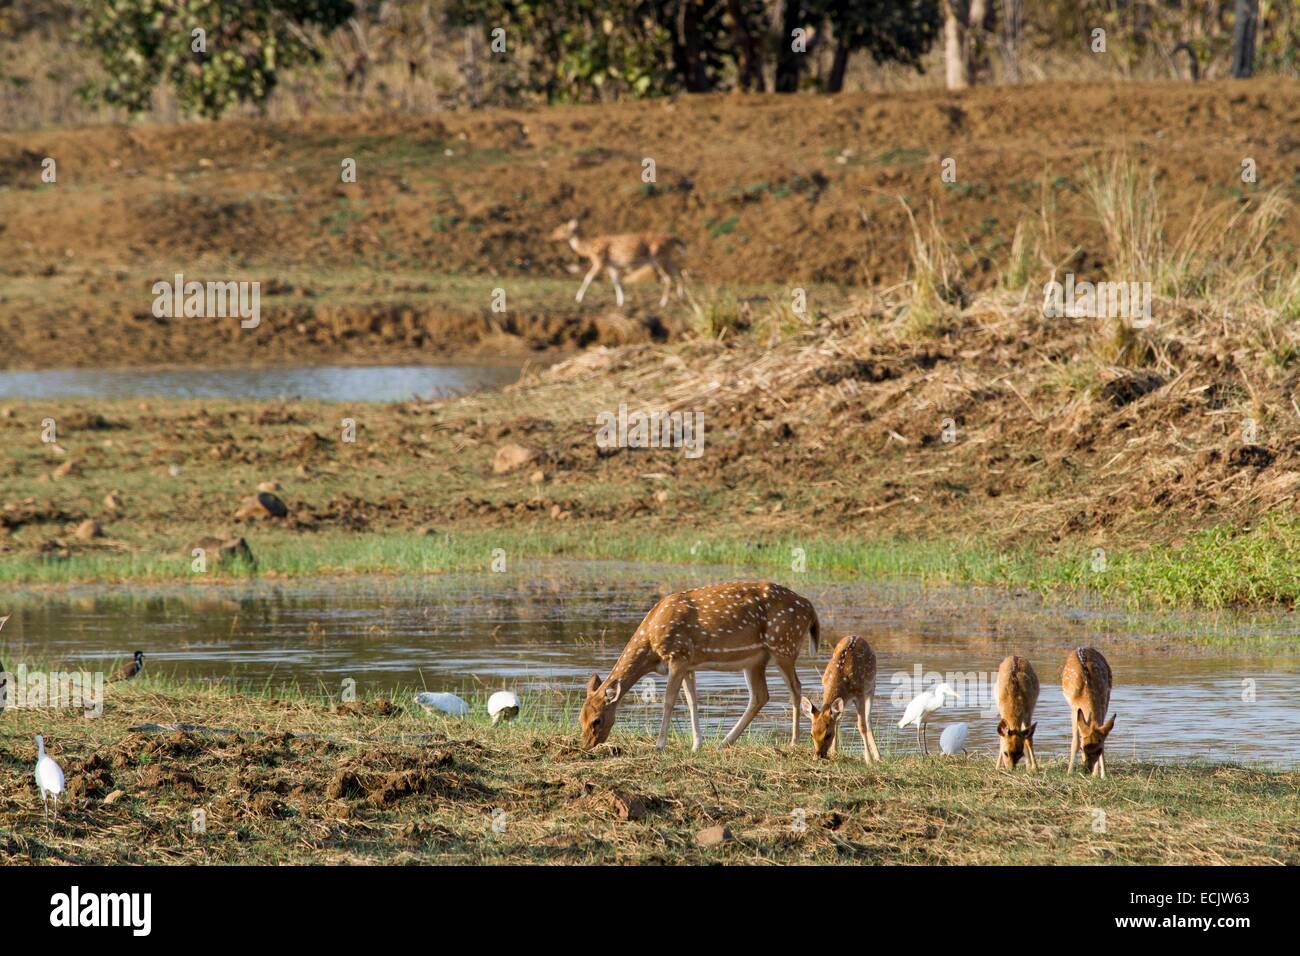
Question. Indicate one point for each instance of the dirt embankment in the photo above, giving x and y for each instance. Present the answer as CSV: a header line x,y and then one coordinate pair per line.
x,y
764,190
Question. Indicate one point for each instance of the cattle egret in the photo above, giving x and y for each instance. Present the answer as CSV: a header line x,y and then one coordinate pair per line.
x,y
130,670
953,739
4,681
503,705
922,706
448,704
49,776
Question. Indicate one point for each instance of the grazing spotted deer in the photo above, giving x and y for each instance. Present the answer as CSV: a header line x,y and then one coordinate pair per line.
x,y
1086,683
850,675
634,254
739,626
1016,690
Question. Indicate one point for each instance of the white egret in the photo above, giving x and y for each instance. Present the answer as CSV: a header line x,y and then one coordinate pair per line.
x,y
49,776
953,739
503,705
922,706
448,704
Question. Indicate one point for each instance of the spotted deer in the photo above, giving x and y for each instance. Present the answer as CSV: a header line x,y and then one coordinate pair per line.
x,y
1086,683
738,626
1016,690
850,675
637,255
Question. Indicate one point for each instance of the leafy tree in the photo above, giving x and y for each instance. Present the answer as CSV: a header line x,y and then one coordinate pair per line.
x,y
214,53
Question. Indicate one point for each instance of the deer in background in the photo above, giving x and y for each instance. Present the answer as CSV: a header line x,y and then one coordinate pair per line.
x,y
1086,683
739,626
850,675
635,254
1016,691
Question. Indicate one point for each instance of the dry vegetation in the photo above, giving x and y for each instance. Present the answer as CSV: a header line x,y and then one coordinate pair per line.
x,y
304,780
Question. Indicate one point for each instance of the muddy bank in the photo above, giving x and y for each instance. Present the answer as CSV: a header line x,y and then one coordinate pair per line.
x,y
475,195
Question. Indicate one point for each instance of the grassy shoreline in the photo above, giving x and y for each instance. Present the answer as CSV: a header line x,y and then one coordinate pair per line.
x,y
377,782
1214,569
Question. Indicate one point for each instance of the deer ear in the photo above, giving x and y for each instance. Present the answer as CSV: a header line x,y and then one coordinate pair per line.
x,y
1105,728
808,707
1002,728
1032,728
837,706
593,684
613,692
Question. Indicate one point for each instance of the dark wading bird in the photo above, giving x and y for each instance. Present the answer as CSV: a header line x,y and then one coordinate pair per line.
x,y
132,669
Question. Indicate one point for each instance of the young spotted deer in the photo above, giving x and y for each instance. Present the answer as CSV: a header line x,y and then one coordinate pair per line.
x,y
1017,695
634,254
1086,683
850,675
739,626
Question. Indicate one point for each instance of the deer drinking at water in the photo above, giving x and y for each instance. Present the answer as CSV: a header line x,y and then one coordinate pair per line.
x,y
1086,682
739,626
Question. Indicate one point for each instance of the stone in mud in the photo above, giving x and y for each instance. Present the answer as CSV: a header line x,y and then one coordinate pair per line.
x,y
713,836
271,486
68,469
262,506
512,456
628,806
114,502
88,530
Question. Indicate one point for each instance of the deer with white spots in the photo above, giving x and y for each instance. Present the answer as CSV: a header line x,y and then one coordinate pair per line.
x,y
722,627
850,676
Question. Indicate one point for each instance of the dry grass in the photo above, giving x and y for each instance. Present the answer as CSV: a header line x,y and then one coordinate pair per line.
x,y
363,787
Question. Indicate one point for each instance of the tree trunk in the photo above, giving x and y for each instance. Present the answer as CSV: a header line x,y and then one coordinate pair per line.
x,y
789,64
1012,19
688,40
751,54
1245,23
839,65
954,44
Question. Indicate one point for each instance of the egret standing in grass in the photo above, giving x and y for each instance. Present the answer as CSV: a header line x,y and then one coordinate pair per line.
x,y
922,706
953,739
49,776
503,705
4,681
448,704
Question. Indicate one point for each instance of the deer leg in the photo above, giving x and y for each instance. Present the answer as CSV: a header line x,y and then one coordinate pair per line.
x,y
1029,752
1099,770
688,686
796,692
869,739
675,677
756,678
591,274
667,281
618,289
1074,739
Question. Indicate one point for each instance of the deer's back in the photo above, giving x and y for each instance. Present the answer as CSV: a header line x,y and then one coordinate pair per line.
x,y
1017,691
851,670
1086,682
747,616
